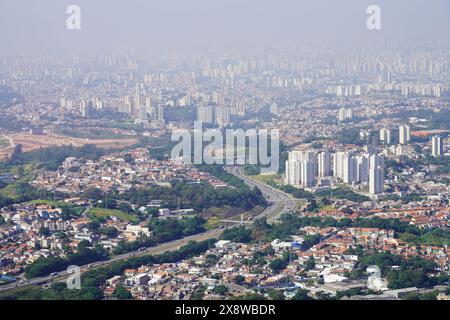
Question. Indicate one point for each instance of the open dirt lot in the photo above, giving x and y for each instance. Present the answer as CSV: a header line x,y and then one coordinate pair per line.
x,y
30,142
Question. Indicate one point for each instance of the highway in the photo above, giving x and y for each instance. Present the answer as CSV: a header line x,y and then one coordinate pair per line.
x,y
279,202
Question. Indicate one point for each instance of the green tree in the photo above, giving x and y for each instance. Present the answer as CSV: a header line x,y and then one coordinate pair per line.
x,y
275,294
239,279
277,265
301,294
121,293
110,232
211,259
220,289
310,264
237,234
17,152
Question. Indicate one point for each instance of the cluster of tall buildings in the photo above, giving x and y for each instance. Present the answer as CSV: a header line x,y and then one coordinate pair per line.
x,y
240,108
219,112
437,146
404,134
85,106
345,113
385,75
214,115
385,136
404,137
418,89
347,91
143,112
302,168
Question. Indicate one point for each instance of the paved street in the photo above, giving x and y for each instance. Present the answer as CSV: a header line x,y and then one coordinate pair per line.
x,y
279,201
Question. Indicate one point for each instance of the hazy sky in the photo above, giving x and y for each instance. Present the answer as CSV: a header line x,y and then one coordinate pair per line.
x,y
40,25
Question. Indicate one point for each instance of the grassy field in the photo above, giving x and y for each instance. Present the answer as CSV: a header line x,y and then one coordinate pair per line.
x,y
103,213
212,223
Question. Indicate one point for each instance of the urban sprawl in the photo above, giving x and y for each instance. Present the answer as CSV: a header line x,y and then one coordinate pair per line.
x,y
87,178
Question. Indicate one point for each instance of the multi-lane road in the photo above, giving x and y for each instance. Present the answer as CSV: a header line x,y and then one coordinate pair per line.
x,y
279,202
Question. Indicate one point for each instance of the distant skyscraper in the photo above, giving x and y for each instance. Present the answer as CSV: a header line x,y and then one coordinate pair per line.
x,y
293,172
437,146
142,113
345,114
385,75
307,173
126,104
223,116
69,104
338,164
376,160
240,108
295,155
344,167
362,168
342,114
324,164
205,114
404,134
274,108
62,103
215,98
376,174
385,136
349,113
301,168
375,180
84,108
160,114
349,169
137,97
148,104
99,104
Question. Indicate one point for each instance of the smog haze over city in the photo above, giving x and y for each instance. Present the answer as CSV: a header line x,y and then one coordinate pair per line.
x,y
112,25
225,150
